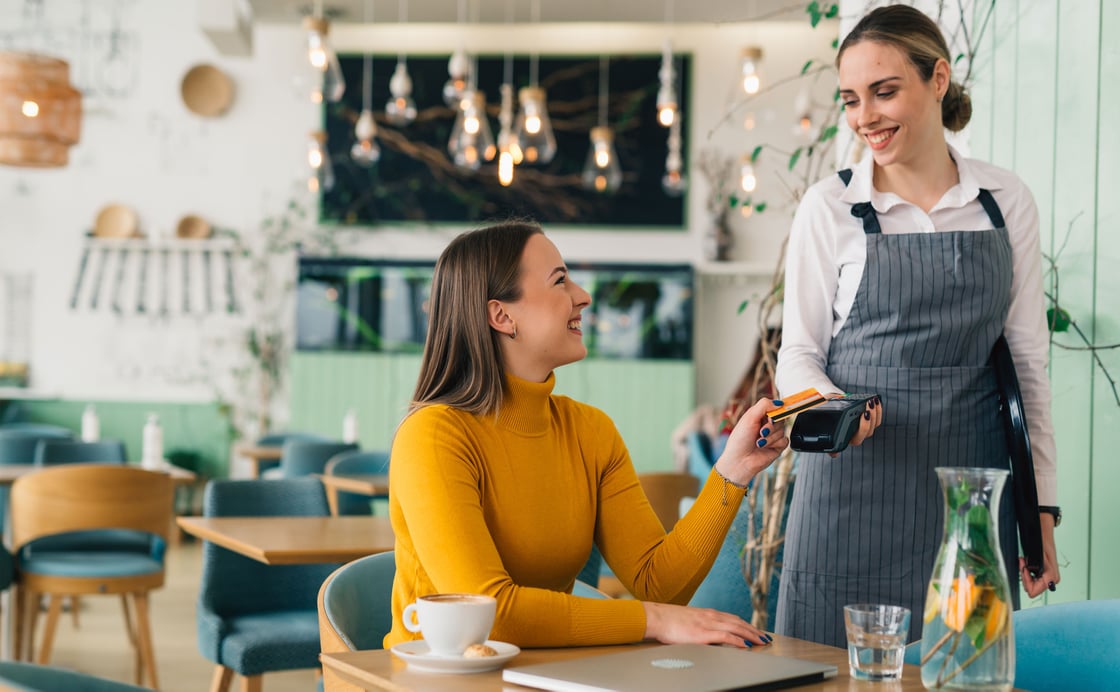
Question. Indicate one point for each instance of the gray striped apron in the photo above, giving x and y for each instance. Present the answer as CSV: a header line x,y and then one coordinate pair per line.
x,y
866,526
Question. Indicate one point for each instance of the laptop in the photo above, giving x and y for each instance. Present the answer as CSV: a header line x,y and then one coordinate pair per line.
x,y
673,668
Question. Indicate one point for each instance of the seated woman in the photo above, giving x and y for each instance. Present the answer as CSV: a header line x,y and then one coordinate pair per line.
x,y
500,487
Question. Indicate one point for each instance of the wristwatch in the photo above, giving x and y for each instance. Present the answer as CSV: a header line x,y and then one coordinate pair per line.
x,y
1052,510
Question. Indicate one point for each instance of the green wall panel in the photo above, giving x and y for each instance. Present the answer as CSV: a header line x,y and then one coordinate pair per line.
x,y
646,399
198,428
1046,96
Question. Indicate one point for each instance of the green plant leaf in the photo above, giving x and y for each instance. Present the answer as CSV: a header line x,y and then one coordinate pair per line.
x,y
806,66
1058,319
836,95
733,201
835,43
833,10
815,14
828,133
794,157
755,153
743,306
960,56
760,207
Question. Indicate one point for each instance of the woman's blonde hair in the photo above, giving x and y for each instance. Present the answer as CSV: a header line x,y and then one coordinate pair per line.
x,y
462,361
921,41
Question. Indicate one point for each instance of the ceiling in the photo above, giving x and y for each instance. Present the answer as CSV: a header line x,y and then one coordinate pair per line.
x,y
495,11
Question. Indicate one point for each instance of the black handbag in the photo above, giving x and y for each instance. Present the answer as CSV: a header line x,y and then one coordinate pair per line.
x,y
1023,488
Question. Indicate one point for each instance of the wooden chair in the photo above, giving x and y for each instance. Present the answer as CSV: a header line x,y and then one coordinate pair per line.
x,y
665,491
89,497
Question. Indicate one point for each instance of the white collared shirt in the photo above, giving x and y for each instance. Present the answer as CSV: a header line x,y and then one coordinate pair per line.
x,y
824,264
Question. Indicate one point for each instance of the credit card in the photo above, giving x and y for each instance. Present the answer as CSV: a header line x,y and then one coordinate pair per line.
x,y
796,403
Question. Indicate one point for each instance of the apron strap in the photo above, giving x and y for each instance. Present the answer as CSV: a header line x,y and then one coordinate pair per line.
x,y
862,210
992,208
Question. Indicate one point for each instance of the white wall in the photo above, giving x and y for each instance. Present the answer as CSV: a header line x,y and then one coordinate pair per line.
x,y
148,151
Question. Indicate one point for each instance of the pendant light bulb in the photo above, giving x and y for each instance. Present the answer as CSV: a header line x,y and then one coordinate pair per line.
x,y
458,70
750,77
602,173
674,182
468,149
747,180
321,175
365,151
666,94
533,129
509,154
401,108
323,58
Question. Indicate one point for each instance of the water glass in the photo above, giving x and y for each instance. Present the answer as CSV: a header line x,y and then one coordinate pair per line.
x,y
876,640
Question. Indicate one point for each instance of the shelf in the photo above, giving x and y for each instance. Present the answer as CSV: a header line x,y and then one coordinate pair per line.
x,y
178,244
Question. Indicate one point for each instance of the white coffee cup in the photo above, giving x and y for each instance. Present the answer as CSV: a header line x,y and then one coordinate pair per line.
x,y
451,622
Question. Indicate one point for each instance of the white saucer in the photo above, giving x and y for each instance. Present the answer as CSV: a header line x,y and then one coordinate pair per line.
x,y
418,657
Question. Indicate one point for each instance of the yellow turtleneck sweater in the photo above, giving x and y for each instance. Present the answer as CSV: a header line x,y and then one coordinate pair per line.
x,y
510,505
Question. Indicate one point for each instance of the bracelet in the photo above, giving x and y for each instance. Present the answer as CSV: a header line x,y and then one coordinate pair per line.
x,y
727,481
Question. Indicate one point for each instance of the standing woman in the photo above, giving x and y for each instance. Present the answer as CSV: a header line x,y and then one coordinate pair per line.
x,y
500,486
901,274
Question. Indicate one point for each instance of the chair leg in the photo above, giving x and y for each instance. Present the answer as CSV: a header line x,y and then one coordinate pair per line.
x,y
128,628
144,638
251,683
48,632
75,606
222,678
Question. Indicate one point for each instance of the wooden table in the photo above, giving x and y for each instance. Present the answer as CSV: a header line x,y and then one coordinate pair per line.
x,y
370,484
380,670
256,455
295,540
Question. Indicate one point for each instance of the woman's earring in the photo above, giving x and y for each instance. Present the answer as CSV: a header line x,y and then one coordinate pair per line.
x,y
513,334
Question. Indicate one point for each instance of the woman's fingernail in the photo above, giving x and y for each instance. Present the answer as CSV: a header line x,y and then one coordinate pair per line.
x,y
749,645
761,443
766,638
776,402
1051,586
766,432
867,415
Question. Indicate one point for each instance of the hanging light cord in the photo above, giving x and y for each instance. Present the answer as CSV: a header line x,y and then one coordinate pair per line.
x,y
402,17
533,59
367,65
319,9
507,70
604,80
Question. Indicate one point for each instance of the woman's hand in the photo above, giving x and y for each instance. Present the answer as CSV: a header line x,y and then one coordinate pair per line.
x,y
676,624
872,418
754,444
1050,576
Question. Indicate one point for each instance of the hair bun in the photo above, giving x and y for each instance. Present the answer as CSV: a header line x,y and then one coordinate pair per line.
x,y
956,108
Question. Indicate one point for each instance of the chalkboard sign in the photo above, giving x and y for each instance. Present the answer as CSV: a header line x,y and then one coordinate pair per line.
x,y
415,179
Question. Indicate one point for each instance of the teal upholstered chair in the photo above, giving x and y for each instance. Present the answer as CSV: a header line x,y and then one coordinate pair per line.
x,y
17,446
49,452
1067,646
356,461
255,618
28,677
303,458
277,439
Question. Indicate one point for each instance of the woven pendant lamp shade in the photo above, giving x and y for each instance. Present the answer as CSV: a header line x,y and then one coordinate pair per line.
x,y
40,112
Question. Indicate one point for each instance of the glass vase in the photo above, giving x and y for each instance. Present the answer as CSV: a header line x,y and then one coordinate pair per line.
x,y
967,639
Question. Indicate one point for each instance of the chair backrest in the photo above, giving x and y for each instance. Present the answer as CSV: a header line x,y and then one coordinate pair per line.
x,y
233,584
277,439
36,429
16,676
83,497
355,604
17,446
50,451
665,490
374,462
301,458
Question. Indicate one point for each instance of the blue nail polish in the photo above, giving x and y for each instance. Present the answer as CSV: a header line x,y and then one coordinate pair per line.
x,y
761,443
749,645
767,638
766,432
776,402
